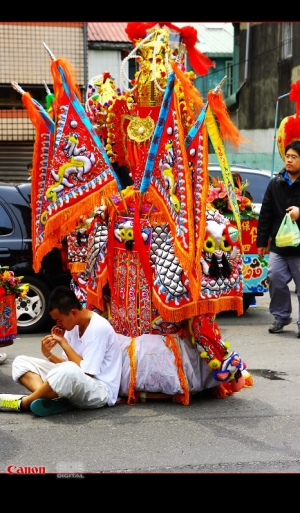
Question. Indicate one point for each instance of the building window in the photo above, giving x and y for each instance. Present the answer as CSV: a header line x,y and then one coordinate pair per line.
x,y
229,79
131,68
286,40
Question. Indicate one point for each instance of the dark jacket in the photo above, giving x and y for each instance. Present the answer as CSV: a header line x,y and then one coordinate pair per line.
x,y
278,197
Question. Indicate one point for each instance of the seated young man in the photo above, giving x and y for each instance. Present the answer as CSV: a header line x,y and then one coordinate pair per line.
x,y
88,373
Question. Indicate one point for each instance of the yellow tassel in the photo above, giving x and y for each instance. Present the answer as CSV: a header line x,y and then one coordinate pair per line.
x,y
207,306
202,204
225,168
172,344
132,384
77,267
61,224
93,299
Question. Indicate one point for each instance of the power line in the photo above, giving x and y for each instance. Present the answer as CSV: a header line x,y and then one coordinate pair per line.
x,y
254,58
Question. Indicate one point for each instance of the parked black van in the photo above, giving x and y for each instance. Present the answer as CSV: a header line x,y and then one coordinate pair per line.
x,y
16,253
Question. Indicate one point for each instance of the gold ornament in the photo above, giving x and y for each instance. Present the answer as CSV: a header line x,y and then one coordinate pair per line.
x,y
140,129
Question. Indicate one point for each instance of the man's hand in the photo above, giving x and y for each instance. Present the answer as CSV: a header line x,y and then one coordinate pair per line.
x,y
57,335
57,330
48,342
261,252
294,213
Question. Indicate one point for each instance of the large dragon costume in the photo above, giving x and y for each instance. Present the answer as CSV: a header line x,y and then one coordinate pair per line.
x,y
152,256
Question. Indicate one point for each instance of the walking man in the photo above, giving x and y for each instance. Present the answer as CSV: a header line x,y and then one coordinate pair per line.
x,y
282,196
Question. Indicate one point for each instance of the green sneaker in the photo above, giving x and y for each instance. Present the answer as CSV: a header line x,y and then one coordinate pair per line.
x,y
45,407
10,402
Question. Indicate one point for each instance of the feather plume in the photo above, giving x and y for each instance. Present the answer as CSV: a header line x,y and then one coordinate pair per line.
x,y
228,131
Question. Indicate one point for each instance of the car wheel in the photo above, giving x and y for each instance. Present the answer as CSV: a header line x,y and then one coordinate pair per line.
x,y
32,311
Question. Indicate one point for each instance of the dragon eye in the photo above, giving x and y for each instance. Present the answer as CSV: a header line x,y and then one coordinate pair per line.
x,y
209,245
129,234
122,233
225,246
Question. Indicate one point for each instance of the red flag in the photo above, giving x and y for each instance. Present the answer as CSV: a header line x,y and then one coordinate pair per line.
x,y
168,178
197,151
81,170
42,156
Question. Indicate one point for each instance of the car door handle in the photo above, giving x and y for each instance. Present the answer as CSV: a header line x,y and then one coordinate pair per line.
x,y
4,252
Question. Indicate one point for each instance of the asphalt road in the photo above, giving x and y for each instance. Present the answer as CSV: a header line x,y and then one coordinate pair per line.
x,y
253,431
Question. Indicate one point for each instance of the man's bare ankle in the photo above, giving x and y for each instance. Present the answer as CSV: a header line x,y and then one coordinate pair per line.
x,y
24,405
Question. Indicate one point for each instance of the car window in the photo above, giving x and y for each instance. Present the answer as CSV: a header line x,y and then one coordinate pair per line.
x,y
25,216
6,226
257,183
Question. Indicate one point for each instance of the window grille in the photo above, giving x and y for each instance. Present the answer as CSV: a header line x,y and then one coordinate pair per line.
x,y
286,40
229,79
25,60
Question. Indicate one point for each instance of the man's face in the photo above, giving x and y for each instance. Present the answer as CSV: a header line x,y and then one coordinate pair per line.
x,y
292,162
64,321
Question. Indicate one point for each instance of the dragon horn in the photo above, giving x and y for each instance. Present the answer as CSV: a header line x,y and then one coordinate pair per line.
x,y
50,53
46,87
17,87
218,87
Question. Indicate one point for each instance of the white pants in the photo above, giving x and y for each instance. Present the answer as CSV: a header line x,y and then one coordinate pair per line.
x,y
66,379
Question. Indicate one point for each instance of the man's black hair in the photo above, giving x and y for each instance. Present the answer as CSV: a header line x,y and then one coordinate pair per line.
x,y
64,299
123,174
294,145
237,178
